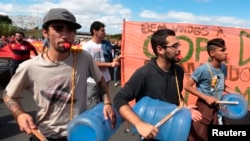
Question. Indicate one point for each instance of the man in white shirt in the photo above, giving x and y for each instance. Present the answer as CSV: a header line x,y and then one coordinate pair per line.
x,y
101,51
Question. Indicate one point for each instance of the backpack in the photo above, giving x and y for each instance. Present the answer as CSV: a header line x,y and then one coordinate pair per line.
x,y
107,51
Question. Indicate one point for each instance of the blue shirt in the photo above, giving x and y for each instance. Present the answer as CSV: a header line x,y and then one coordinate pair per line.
x,y
203,79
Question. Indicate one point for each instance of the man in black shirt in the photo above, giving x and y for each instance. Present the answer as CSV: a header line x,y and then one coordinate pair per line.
x,y
156,79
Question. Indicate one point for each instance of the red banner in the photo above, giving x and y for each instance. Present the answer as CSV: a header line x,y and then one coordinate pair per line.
x,y
136,50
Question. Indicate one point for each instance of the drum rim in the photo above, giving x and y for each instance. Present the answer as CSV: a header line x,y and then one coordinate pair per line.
x,y
231,114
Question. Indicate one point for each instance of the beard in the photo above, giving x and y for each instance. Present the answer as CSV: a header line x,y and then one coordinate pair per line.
x,y
62,49
19,40
171,59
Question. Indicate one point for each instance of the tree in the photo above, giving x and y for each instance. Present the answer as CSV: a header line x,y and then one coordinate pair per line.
x,y
5,19
7,29
115,36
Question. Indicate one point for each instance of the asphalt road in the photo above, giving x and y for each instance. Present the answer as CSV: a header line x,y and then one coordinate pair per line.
x,y
9,130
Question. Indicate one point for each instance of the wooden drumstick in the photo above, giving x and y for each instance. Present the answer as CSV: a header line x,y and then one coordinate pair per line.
x,y
39,135
228,102
167,117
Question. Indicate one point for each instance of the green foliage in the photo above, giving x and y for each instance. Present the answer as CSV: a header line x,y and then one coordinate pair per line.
x,y
5,19
33,32
115,36
7,29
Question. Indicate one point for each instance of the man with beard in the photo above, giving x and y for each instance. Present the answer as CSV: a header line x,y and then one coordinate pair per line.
x,y
57,79
20,51
156,79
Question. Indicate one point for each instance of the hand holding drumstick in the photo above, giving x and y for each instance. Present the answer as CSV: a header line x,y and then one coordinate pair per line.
x,y
38,135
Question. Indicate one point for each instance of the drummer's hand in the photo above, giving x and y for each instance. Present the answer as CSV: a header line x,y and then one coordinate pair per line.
x,y
109,114
211,100
146,130
25,123
196,115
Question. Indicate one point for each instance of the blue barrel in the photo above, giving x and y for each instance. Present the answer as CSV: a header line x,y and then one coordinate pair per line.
x,y
152,111
91,126
234,111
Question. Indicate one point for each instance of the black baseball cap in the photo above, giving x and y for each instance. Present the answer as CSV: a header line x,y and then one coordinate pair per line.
x,y
60,14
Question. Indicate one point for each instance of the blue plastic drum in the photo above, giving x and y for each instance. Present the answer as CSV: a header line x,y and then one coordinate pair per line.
x,y
91,126
234,111
152,111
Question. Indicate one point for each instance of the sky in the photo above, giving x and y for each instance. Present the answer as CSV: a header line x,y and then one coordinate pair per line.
x,y
228,13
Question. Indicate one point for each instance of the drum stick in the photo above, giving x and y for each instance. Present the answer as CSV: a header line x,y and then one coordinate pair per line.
x,y
228,102
167,117
39,135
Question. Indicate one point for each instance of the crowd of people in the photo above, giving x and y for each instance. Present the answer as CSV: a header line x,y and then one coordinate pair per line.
x,y
5,40
71,82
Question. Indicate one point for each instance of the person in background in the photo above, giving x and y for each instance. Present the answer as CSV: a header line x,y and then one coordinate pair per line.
x,y
117,70
83,41
3,41
210,84
101,51
11,38
20,51
57,79
157,79
45,44
31,39
77,41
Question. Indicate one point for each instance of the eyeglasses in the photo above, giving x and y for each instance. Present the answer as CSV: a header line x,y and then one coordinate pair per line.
x,y
175,46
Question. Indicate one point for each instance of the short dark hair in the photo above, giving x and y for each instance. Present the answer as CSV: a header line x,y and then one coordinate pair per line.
x,y
96,25
20,32
159,38
216,42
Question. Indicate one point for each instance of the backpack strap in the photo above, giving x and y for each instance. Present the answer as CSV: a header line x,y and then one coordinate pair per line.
x,y
214,80
107,53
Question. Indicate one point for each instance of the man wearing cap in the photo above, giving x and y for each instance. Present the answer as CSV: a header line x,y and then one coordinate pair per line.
x,y
57,80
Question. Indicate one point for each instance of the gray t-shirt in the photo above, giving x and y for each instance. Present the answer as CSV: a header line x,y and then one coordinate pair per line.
x,y
50,83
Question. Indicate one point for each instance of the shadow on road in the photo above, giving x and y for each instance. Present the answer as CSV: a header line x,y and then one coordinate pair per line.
x,y
9,127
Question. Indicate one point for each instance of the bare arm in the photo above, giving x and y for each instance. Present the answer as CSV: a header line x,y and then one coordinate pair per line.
x,y
13,104
146,130
107,64
107,109
128,114
117,59
189,87
23,119
104,86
